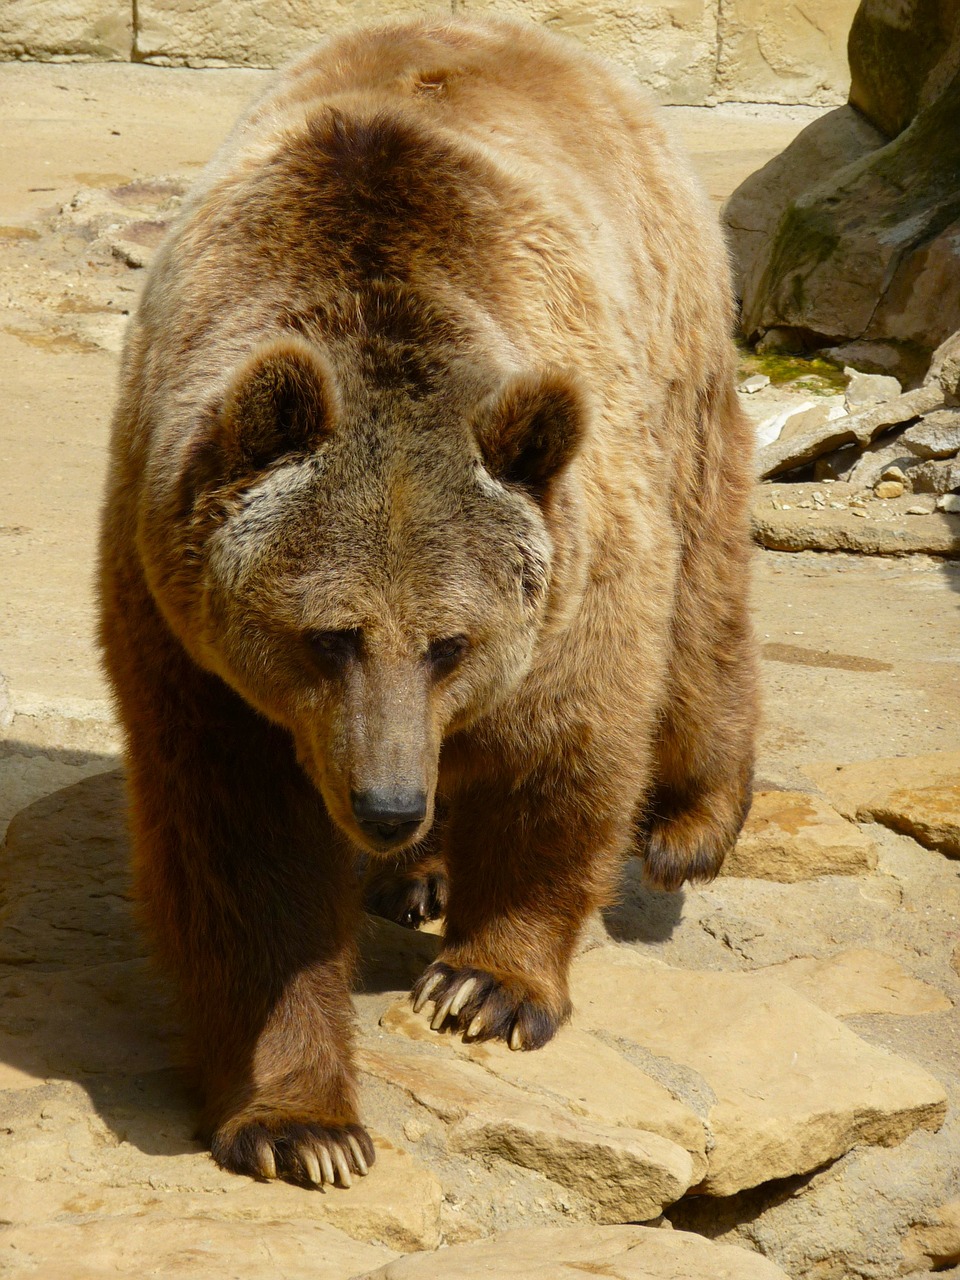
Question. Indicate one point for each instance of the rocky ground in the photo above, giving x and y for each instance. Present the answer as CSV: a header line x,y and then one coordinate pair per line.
x,y
764,1070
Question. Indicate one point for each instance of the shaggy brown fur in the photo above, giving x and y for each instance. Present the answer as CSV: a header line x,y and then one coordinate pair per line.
x,y
428,485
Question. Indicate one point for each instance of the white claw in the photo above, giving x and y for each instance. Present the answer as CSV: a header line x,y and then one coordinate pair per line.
x,y
516,1039
440,1013
311,1166
463,995
425,990
326,1164
340,1160
475,1027
358,1157
268,1165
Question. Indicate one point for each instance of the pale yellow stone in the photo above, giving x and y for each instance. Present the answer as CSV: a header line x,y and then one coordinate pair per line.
x,y
624,1173
94,29
859,981
790,835
571,1253
789,52
576,1071
934,1244
791,1087
176,1237
918,795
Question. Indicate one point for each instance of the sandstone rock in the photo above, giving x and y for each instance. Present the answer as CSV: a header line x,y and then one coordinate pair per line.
x,y
893,49
82,29
866,389
936,435
949,502
867,249
789,1087
790,836
889,489
857,982
934,1245
875,529
918,795
935,476
623,1173
755,383
787,53
885,452
576,1071
569,1253
944,371
62,1233
862,428
753,211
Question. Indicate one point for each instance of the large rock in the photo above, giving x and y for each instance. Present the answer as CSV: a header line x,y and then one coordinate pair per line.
x,y
87,29
900,52
790,835
565,1253
788,1087
866,248
918,795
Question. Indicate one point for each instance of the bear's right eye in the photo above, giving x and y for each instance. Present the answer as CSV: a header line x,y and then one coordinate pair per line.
x,y
333,651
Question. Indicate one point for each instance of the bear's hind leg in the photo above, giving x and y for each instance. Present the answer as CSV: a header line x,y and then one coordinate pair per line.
x,y
703,766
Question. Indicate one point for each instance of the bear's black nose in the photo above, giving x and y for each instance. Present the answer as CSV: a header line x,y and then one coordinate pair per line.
x,y
389,816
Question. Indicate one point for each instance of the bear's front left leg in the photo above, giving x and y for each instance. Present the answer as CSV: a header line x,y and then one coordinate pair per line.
x,y
525,870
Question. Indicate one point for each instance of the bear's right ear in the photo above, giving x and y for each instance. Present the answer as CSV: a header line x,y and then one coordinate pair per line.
x,y
282,400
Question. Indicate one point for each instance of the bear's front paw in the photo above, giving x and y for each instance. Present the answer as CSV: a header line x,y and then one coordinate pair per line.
x,y
409,896
484,1007
300,1151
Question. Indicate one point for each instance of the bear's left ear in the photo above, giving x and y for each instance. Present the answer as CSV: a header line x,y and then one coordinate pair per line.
x,y
283,400
531,429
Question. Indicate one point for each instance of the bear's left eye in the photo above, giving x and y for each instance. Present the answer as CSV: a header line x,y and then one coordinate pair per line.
x,y
444,655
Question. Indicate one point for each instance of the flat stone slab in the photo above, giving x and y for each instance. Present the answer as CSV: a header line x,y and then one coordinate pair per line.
x,y
624,1173
104,1232
790,836
883,527
788,1087
859,981
570,1253
916,795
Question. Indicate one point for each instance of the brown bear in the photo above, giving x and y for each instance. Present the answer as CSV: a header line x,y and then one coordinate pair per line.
x,y
428,496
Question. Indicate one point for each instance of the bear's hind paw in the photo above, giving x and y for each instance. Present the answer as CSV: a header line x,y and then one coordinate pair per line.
x,y
300,1151
409,897
484,1007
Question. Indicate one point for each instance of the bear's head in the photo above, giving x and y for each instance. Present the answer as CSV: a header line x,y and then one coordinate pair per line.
x,y
374,568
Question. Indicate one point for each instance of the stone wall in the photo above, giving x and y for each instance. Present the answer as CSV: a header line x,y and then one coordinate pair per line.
x,y
686,51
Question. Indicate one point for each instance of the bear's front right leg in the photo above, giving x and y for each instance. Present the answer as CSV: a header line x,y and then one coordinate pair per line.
x,y
251,900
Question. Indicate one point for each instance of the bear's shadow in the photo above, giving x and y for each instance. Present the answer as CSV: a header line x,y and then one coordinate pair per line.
x,y
91,1009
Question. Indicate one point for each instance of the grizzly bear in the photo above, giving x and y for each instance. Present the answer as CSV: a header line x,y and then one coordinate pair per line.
x,y
425,540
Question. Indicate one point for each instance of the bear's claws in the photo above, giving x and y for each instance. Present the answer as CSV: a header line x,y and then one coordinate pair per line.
x,y
304,1152
484,1008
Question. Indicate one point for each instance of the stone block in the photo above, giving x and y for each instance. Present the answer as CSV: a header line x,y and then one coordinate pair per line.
x,y
784,53
66,30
